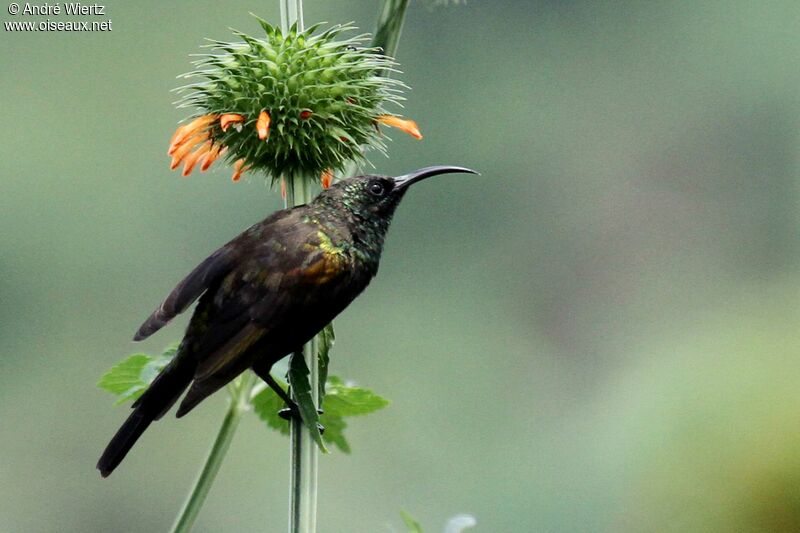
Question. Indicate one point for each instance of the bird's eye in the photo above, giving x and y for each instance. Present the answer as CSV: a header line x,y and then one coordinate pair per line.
x,y
376,188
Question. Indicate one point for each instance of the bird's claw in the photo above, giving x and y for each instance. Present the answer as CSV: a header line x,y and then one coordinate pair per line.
x,y
293,411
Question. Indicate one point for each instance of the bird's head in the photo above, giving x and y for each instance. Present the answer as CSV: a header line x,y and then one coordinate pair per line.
x,y
376,197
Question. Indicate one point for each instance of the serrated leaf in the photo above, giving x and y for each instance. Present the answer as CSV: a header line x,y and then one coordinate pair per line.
x,y
412,525
131,377
266,405
298,378
344,400
341,400
334,431
154,367
124,379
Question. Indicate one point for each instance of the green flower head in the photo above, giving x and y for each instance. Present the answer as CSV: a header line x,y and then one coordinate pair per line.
x,y
288,105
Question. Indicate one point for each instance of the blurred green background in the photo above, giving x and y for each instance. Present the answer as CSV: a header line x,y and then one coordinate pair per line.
x,y
598,334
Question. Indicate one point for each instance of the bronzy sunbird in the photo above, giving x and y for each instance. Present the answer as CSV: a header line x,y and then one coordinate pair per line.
x,y
266,293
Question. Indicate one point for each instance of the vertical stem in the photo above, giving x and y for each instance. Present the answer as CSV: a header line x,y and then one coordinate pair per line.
x,y
291,12
390,25
304,452
238,405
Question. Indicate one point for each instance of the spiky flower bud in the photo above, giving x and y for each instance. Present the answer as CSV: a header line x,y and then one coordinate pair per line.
x,y
289,105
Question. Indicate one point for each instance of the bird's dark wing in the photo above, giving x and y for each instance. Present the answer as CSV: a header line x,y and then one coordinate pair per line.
x,y
289,272
203,277
187,291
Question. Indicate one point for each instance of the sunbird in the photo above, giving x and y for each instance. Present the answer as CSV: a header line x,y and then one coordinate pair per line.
x,y
266,293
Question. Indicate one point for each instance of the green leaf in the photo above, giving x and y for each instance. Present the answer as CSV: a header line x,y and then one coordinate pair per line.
x,y
334,431
266,405
124,379
344,400
341,401
131,377
412,525
298,378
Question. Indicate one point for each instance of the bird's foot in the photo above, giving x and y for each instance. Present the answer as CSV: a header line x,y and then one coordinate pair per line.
x,y
293,411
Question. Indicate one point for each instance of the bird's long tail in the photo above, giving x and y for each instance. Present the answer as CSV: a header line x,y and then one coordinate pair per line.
x,y
156,400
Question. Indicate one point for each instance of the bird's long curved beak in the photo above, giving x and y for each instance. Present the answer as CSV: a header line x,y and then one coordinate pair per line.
x,y
404,181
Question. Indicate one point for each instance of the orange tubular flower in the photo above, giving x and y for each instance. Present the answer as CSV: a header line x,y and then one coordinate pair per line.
x,y
326,179
406,125
211,156
188,131
187,138
262,125
197,136
227,119
183,150
238,168
191,159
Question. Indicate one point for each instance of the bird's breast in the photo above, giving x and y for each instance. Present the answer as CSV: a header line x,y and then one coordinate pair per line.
x,y
325,259
327,267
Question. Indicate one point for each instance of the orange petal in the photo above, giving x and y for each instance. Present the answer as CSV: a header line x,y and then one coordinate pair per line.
x,y
227,119
188,130
210,157
326,179
403,124
178,133
191,159
184,148
262,125
184,137
238,168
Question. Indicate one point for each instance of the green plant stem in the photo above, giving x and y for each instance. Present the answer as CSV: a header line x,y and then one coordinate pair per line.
x,y
291,12
239,402
390,26
303,449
